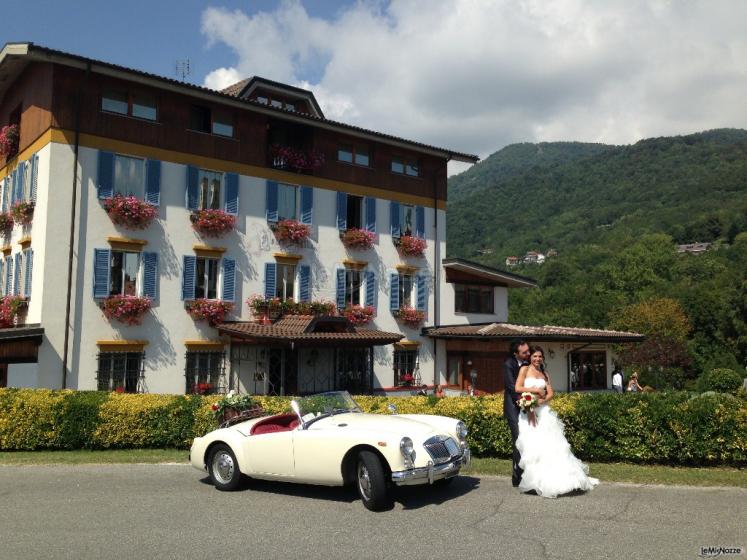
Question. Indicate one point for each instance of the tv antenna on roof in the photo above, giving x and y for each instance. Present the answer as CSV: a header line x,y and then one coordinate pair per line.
x,y
183,69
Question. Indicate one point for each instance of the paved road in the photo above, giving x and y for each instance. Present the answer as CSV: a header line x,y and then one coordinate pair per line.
x,y
170,511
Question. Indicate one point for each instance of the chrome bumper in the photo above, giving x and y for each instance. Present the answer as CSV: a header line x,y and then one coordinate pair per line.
x,y
431,473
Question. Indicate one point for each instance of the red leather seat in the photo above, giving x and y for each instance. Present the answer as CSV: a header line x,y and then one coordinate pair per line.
x,y
278,423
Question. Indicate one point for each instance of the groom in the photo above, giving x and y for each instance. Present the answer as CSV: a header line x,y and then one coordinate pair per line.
x,y
519,357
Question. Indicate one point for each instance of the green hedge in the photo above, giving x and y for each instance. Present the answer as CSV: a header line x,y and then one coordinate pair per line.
x,y
664,427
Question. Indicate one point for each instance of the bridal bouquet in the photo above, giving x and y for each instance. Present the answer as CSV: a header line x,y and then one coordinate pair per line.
x,y
527,403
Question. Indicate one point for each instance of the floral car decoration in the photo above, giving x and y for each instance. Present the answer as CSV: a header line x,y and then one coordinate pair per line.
x,y
411,246
410,316
23,212
213,223
296,159
10,308
358,239
233,405
9,137
213,311
359,314
291,232
126,309
6,222
130,211
410,449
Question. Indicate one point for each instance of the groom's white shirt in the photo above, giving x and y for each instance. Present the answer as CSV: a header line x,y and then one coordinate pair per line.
x,y
617,380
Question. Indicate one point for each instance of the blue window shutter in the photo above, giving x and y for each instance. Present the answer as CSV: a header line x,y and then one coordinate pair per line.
x,y
13,188
9,276
229,279
232,194
419,221
20,178
150,275
272,202
34,176
270,279
307,205
105,181
29,269
371,288
371,214
17,276
342,211
6,186
189,273
394,291
394,218
101,272
340,299
304,282
153,182
193,191
421,287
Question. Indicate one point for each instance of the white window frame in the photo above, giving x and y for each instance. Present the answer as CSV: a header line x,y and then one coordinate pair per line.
x,y
281,286
296,198
138,277
402,292
208,173
206,278
349,287
402,213
141,193
361,213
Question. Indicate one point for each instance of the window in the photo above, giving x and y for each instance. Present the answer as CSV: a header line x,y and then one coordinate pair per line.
x,y
286,281
406,219
120,371
209,183
222,124
206,278
290,107
204,372
136,104
199,119
129,176
263,100
276,103
405,166
353,284
354,212
473,299
359,155
125,267
287,203
588,370
406,284
405,363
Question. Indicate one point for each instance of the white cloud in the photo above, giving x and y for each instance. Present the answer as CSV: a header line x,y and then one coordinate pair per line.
x,y
476,75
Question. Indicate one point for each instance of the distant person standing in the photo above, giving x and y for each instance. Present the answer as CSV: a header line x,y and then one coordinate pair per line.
x,y
633,385
617,381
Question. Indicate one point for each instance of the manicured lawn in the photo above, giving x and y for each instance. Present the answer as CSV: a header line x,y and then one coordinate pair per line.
x,y
608,472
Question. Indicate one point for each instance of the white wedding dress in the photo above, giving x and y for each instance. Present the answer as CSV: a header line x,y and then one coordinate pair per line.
x,y
550,467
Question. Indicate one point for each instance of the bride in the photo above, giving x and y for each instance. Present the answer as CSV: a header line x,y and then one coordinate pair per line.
x,y
550,468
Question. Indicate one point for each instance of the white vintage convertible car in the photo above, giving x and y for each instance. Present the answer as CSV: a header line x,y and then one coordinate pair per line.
x,y
327,440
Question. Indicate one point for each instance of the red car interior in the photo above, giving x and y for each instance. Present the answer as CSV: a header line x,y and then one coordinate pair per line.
x,y
278,423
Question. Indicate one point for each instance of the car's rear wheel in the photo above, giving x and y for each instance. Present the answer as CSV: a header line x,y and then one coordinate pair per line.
x,y
224,468
371,482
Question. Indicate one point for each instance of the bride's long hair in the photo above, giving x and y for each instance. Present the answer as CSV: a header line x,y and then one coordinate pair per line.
x,y
532,350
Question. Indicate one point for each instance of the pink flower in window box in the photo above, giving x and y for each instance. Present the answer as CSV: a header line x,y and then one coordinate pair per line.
x,y
410,316
9,137
292,232
129,211
296,159
412,246
213,223
359,239
359,314
23,212
126,309
6,222
10,308
211,310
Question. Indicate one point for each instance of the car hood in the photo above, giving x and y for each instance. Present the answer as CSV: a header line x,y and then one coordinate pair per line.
x,y
380,423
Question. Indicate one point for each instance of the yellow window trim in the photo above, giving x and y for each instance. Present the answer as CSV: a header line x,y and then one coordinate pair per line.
x,y
355,265
207,251
407,344
121,345
204,344
406,269
126,243
25,242
7,250
287,258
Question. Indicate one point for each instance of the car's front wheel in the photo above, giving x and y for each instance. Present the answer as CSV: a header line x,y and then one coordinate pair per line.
x,y
224,468
371,482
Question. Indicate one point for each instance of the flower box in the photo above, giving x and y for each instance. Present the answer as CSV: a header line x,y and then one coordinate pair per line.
x,y
212,223
235,407
10,309
266,309
129,211
126,309
285,157
359,314
9,137
23,212
6,222
291,232
211,310
358,239
203,388
410,316
411,246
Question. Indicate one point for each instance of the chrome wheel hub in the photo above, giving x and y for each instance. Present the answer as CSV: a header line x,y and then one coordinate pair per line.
x,y
223,467
364,481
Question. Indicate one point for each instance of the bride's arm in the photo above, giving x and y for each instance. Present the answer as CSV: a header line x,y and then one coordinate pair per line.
x,y
550,393
519,388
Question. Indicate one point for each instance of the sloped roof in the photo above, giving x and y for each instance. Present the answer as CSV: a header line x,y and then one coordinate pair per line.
x,y
532,332
483,272
244,88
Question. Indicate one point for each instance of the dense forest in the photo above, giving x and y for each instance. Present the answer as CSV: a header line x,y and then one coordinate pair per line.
x,y
615,215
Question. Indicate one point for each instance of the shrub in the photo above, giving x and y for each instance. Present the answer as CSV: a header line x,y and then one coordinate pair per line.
x,y
211,310
359,314
410,316
721,380
23,212
212,223
9,137
129,211
6,222
358,239
10,307
411,246
126,309
291,232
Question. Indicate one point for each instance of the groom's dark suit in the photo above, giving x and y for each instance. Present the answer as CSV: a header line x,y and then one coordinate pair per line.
x,y
511,369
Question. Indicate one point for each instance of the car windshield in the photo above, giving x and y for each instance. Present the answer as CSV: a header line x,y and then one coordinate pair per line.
x,y
322,405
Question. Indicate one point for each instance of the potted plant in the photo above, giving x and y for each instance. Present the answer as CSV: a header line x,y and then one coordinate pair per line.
x,y
213,223
411,246
406,379
129,211
358,239
126,309
299,160
291,232
211,310
202,388
233,405
410,316
6,222
9,137
359,314
23,212
10,308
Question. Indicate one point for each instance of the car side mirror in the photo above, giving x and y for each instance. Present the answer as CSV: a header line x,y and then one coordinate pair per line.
x,y
297,410
391,408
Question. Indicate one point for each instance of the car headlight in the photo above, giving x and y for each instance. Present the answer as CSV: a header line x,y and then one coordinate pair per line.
x,y
461,430
408,451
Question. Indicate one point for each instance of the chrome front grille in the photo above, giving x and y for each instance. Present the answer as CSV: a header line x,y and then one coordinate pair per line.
x,y
441,448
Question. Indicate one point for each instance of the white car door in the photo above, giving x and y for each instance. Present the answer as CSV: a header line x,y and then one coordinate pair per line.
x,y
270,454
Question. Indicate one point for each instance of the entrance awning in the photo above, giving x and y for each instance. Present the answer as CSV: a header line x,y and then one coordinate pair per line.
x,y
508,331
307,330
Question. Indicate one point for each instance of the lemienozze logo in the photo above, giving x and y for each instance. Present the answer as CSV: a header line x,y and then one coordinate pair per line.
x,y
716,551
